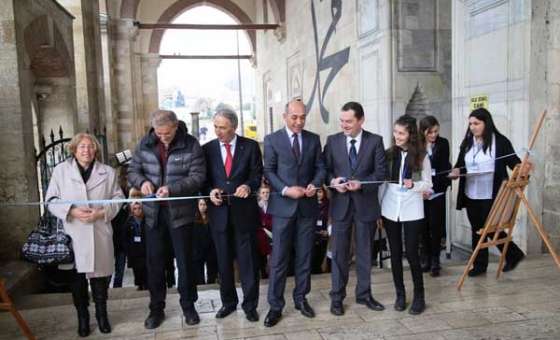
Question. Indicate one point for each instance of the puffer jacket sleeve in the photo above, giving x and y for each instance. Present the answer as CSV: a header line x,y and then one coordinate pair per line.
x,y
136,175
194,182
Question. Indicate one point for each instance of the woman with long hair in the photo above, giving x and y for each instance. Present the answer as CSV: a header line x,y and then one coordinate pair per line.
x,y
204,251
437,149
402,207
483,158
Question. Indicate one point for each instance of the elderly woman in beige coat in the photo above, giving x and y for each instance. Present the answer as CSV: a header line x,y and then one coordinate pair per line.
x,y
80,178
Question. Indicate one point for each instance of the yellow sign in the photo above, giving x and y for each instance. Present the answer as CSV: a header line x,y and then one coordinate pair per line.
x,y
479,101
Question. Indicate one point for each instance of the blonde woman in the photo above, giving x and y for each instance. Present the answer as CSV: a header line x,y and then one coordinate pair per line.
x,y
83,177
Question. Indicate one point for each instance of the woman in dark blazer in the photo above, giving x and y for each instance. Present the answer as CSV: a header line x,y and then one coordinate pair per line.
x,y
434,202
484,155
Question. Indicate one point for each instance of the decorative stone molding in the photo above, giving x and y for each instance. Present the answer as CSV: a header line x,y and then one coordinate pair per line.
x,y
478,6
418,105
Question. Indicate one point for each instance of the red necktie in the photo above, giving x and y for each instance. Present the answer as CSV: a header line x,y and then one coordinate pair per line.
x,y
229,159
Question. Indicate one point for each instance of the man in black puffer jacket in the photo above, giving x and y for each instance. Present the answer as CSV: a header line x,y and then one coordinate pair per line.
x,y
168,162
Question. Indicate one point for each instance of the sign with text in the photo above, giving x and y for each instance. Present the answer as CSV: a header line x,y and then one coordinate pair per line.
x,y
479,101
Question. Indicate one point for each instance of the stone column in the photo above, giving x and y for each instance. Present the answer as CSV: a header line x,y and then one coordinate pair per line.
x,y
150,63
18,177
125,34
87,56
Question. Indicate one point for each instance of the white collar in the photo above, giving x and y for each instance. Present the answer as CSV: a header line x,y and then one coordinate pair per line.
x,y
232,142
291,133
358,137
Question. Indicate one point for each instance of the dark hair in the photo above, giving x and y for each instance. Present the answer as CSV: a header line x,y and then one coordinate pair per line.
x,y
416,150
426,123
198,217
356,107
489,130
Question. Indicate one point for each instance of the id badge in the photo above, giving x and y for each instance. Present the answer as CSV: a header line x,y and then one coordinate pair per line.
x,y
319,223
137,239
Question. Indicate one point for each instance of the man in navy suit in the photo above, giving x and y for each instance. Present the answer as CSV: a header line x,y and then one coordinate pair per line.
x,y
234,168
352,156
294,167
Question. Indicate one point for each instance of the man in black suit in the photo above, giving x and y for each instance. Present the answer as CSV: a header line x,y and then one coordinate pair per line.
x,y
234,168
294,167
351,157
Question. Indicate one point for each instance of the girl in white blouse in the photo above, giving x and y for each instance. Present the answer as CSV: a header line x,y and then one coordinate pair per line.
x,y
402,207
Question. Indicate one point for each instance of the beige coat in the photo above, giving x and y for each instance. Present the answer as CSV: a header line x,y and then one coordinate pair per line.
x,y
92,242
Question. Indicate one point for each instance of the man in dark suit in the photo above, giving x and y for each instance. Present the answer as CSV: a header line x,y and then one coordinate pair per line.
x,y
234,168
351,157
294,167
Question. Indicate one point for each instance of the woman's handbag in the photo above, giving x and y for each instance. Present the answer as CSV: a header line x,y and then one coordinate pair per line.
x,y
48,244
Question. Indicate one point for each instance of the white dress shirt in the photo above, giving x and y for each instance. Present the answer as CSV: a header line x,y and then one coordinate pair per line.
x,y
223,150
480,171
406,205
358,140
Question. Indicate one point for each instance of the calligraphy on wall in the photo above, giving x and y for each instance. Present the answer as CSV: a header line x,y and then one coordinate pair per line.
x,y
333,62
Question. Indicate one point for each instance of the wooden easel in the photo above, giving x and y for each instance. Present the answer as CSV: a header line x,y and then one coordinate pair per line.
x,y
503,214
7,304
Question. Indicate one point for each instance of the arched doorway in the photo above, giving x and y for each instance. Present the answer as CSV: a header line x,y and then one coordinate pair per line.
x,y
203,85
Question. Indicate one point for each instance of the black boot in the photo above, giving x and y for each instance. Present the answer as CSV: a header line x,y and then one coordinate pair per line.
x,y
400,302
436,266
418,304
80,297
99,288
83,321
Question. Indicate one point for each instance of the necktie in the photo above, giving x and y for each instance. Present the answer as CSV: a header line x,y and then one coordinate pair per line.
x,y
229,159
353,155
295,146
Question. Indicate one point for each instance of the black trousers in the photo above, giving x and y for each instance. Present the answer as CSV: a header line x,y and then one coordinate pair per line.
x,y
434,210
477,212
289,235
159,241
241,245
412,233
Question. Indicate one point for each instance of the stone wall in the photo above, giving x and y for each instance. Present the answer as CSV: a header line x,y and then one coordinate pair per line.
x,y
18,177
379,51
504,49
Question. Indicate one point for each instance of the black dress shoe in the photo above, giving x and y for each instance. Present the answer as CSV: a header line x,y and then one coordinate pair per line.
x,y
511,265
224,311
252,315
337,308
371,303
400,303
272,318
477,271
418,306
154,320
191,317
305,309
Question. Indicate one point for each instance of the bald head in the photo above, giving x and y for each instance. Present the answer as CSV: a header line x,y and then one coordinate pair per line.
x,y
295,116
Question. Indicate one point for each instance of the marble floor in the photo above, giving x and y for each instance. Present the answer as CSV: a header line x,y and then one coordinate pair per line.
x,y
524,304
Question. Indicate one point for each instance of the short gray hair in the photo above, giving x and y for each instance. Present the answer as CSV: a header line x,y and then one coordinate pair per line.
x,y
164,117
228,114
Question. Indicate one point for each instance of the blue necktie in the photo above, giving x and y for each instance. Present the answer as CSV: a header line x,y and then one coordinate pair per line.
x,y
353,155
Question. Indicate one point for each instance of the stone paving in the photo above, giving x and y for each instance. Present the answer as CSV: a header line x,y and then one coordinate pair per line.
x,y
524,304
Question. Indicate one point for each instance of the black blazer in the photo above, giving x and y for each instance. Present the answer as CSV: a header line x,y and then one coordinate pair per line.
x,y
503,147
281,169
440,162
371,167
246,169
